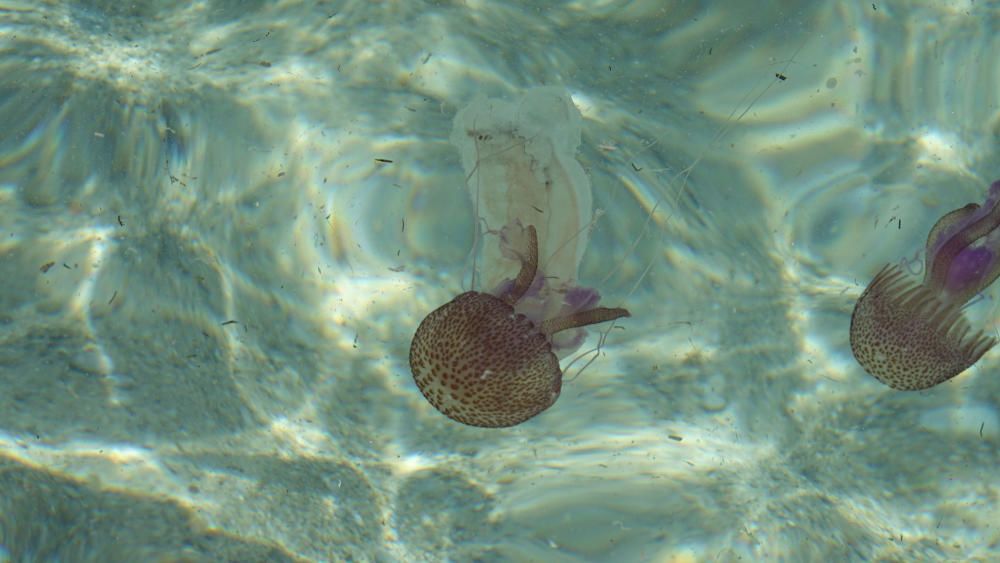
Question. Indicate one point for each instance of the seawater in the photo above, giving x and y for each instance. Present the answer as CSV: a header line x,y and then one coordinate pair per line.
x,y
221,222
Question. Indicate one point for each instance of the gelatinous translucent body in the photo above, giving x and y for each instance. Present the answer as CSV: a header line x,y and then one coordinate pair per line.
x,y
520,158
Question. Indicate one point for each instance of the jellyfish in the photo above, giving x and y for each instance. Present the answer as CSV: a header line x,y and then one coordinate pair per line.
x,y
913,336
491,358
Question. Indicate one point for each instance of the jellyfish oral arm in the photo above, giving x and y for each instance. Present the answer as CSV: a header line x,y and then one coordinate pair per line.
x,y
529,268
962,261
968,270
582,318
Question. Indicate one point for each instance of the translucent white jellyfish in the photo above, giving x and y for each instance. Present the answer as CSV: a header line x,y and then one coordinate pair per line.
x,y
521,166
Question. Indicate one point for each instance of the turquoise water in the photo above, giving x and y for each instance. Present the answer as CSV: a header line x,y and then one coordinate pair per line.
x,y
222,221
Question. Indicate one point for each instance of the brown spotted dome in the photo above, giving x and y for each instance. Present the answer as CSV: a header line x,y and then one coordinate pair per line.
x,y
481,363
907,337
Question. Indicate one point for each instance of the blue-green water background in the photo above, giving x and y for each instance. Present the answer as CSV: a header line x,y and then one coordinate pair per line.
x,y
167,167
